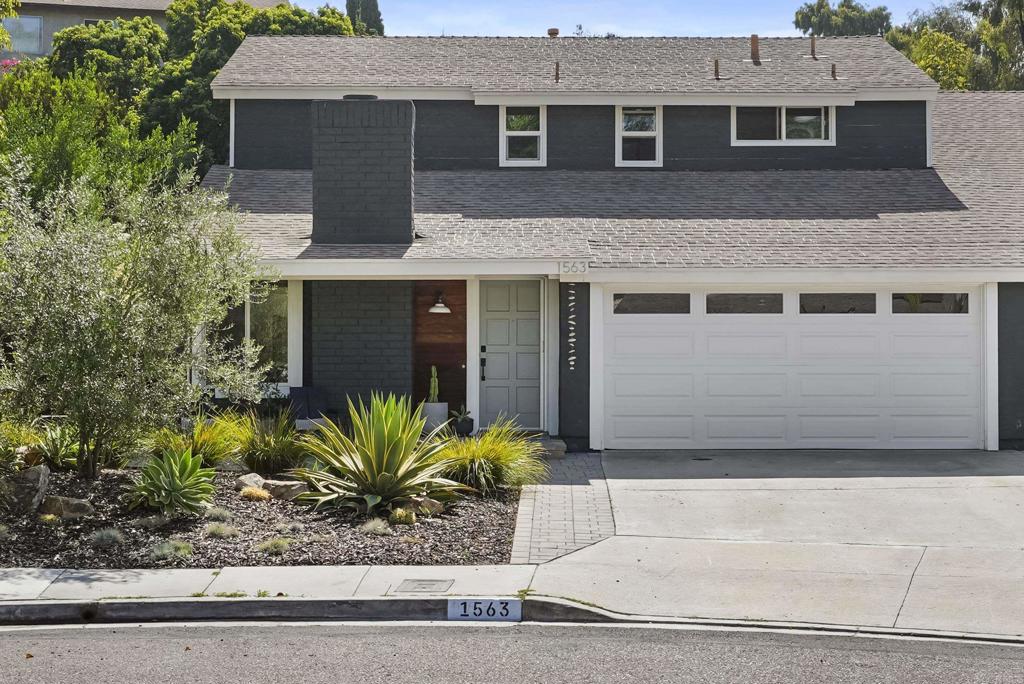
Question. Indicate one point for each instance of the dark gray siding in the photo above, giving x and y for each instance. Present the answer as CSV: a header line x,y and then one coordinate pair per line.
x,y
452,134
1011,365
273,134
870,135
362,171
455,134
574,365
361,338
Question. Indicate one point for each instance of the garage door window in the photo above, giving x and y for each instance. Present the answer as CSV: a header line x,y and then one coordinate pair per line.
x,y
651,303
929,303
838,303
744,303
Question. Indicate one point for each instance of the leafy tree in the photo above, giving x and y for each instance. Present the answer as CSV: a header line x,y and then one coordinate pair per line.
x,y
71,129
101,308
944,58
848,18
127,53
8,8
367,13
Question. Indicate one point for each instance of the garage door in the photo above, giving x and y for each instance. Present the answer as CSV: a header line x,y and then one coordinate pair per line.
x,y
809,368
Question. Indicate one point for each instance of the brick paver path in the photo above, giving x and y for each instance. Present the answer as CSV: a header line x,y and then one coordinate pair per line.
x,y
568,512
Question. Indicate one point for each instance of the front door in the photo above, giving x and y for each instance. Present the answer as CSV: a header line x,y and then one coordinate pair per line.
x,y
510,351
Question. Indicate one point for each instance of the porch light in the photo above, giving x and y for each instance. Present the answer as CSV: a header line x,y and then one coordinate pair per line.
x,y
439,306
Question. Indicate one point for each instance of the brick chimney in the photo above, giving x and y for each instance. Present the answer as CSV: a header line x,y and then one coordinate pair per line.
x,y
363,171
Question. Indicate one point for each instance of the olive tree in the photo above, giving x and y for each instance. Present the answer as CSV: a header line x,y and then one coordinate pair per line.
x,y
103,309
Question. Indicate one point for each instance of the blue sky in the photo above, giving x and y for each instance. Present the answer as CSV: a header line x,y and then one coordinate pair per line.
x,y
624,17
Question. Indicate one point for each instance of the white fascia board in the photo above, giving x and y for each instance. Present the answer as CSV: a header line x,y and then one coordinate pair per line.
x,y
890,94
821,277
336,93
693,99
399,269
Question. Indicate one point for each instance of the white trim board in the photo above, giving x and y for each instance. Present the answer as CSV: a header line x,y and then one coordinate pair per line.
x,y
436,269
798,276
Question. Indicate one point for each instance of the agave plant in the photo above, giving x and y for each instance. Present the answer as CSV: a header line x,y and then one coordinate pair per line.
x,y
58,446
386,460
175,482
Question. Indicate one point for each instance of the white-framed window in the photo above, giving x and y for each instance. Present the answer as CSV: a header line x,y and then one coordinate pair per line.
x,y
26,34
783,125
523,139
266,324
638,136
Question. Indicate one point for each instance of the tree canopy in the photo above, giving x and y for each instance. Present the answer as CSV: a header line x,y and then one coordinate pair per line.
x,y
365,15
848,18
7,9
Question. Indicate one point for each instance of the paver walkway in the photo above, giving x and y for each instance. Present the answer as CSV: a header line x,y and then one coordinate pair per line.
x,y
572,510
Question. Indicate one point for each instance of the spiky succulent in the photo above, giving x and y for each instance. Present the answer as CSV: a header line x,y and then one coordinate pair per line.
x,y
175,482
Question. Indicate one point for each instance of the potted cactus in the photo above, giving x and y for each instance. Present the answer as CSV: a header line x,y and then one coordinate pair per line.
x,y
435,411
462,422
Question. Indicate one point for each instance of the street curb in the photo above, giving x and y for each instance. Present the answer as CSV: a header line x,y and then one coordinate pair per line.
x,y
536,609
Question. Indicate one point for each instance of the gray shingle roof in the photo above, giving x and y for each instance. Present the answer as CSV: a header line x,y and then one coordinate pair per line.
x,y
627,65
967,212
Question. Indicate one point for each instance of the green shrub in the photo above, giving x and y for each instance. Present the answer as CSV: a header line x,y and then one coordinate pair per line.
x,y
58,446
106,538
271,445
175,482
12,436
385,461
216,439
278,546
170,549
221,531
502,455
218,514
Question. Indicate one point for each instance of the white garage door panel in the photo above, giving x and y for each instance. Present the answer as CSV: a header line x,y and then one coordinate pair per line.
x,y
793,381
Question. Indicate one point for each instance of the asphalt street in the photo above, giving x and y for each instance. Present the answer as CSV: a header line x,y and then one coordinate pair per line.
x,y
425,654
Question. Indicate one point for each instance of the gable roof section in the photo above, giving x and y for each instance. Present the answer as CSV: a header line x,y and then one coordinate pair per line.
x,y
586,65
968,212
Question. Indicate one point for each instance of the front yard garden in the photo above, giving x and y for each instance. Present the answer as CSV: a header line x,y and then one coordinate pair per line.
x,y
381,492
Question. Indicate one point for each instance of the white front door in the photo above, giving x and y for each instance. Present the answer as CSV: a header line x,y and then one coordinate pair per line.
x,y
510,357
785,368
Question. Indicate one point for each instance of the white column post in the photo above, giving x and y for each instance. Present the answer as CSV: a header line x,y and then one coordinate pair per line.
x,y
552,346
295,333
929,109
473,349
597,296
231,133
991,341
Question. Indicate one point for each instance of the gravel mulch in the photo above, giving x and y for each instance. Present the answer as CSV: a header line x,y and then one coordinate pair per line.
x,y
474,531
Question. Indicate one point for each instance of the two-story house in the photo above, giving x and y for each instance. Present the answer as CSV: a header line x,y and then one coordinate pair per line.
x,y
639,242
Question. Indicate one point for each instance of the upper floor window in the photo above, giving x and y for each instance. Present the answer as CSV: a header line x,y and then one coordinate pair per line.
x,y
783,126
638,136
523,140
26,34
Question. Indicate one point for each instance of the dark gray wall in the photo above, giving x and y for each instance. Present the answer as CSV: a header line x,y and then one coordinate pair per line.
x,y
273,134
1011,365
360,338
362,171
461,135
574,365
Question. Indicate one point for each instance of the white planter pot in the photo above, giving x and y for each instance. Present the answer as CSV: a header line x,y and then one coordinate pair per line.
x,y
436,414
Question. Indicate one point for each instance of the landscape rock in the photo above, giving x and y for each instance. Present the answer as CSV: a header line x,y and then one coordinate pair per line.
x,y
28,489
248,480
66,507
285,489
428,506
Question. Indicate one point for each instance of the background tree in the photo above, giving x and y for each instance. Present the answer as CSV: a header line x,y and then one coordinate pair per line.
x,y
73,128
127,53
944,58
848,18
367,13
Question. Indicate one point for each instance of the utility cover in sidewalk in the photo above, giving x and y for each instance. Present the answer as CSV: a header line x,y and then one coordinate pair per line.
x,y
425,586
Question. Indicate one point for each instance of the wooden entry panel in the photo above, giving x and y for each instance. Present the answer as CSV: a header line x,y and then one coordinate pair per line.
x,y
440,340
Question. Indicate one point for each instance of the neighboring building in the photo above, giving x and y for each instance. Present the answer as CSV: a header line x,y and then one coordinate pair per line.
x,y
37,20
816,249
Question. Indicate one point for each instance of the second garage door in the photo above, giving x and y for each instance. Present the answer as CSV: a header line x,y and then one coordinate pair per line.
x,y
688,368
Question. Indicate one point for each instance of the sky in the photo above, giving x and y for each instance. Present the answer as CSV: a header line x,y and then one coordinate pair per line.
x,y
622,17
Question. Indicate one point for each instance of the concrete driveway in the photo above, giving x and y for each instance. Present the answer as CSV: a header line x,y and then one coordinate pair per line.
x,y
928,540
